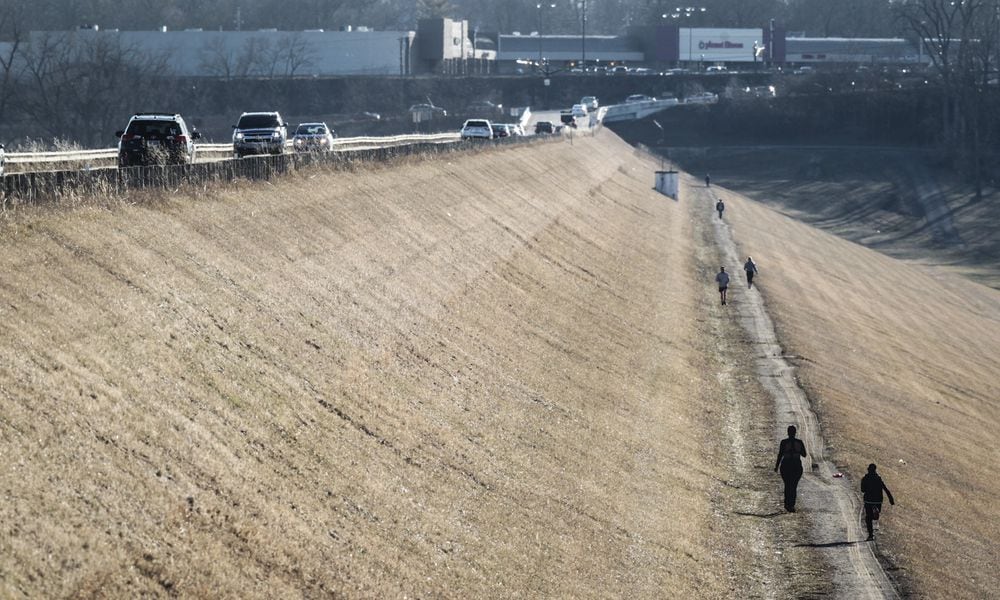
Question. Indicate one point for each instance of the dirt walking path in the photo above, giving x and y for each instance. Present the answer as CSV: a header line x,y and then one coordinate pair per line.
x,y
830,505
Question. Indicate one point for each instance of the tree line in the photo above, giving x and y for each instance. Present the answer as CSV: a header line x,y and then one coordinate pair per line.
x,y
849,18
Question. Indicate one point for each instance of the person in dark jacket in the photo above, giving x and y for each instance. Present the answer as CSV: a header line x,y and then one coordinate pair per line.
x,y
789,461
720,206
708,180
751,268
871,487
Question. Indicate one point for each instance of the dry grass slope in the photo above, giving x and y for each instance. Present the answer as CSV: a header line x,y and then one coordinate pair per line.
x,y
902,362
480,377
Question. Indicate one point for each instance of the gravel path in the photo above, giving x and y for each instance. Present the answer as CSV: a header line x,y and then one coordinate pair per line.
x,y
830,504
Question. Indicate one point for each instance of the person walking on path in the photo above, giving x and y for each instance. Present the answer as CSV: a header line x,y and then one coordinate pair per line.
x,y
708,180
871,487
722,278
751,268
789,462
720,206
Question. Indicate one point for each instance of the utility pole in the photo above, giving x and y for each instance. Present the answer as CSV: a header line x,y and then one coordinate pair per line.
x,y
583,39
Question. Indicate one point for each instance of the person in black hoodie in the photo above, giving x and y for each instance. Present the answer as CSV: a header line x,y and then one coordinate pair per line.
x,y
872,486
790,463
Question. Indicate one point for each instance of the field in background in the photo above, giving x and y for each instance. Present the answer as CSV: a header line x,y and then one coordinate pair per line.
x,y
901,362
901,202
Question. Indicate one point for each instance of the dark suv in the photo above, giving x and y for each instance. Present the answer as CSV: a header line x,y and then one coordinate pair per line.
x,y
156,139
259,133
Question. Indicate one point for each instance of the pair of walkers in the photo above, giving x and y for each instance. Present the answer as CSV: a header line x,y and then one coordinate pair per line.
x,y
792,450
722,278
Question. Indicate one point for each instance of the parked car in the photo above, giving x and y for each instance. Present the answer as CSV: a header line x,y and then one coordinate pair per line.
x,y
716,69
484,107
566,117
435,111
762,91
313,137
259,133
501,130
579,110
618,70
156,138
544,128
638,98
477,129
642,71
702,98
590,102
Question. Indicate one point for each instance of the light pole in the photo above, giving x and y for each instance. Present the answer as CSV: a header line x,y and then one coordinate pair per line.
x,y
686,12
582,7
540,6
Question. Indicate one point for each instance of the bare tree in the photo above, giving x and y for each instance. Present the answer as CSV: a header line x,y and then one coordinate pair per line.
x,y
82,86
295,53
217,58
960,38
12,16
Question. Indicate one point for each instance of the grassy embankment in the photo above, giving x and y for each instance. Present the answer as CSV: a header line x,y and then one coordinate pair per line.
x,y
481,376
903,363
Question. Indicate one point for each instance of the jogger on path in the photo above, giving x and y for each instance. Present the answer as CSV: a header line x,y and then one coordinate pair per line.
x,y
872,486
790,463
723,280
751,268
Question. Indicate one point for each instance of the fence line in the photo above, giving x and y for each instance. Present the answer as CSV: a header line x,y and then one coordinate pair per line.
x,y
42,187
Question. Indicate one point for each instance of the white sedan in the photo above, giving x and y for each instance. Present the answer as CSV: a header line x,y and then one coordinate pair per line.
x,y
313,137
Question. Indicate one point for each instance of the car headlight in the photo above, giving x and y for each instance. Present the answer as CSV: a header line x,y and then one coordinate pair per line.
x,y
324,141
276,134
238,136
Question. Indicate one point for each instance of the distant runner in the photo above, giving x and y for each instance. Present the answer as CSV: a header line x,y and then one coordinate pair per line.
x,y
791,465
708,180
751,268
723,279
872,486
720,206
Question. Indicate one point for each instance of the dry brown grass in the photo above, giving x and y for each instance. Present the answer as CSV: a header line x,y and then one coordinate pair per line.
x,y
902,363
481,376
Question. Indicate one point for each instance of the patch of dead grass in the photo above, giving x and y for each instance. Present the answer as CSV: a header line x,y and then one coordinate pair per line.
x,y
478,376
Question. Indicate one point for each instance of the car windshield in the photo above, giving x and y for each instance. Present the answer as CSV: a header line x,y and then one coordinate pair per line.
x,y
258,121
310,130
153,129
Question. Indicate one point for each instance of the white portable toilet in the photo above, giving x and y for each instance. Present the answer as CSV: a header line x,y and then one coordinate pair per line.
x,y
666,183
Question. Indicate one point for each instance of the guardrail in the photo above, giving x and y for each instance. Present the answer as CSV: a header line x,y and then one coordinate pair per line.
x,y
44,186
48,158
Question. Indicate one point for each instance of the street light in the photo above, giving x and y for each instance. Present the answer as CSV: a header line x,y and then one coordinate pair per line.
x,y
539,6
582,6
686,12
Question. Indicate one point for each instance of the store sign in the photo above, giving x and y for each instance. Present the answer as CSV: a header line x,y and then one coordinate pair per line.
x,y
719,45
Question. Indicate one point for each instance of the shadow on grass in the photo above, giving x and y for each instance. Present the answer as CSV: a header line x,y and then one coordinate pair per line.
x,y
759,515
827,545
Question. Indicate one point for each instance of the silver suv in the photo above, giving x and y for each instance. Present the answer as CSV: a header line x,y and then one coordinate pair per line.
x,y
156,138
259,133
